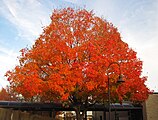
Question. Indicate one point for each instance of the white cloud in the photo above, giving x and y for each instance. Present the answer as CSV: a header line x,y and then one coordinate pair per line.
x,y
28,16
71,1
7,62
140,31
149,56
137,22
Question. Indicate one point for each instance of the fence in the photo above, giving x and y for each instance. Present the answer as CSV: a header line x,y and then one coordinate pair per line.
x,y
8,114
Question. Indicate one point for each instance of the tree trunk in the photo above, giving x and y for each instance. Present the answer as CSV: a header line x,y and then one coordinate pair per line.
x,y
79,116
84,114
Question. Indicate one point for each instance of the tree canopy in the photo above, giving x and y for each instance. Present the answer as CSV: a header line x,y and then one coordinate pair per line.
x,y
69,62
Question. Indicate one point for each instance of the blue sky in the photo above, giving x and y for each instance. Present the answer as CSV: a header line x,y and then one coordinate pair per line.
x,y
21,22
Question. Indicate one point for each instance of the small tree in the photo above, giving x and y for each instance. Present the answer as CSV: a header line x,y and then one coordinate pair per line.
x,y
69,63
5,95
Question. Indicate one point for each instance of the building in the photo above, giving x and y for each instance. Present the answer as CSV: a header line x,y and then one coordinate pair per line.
x,y
126,111
151,107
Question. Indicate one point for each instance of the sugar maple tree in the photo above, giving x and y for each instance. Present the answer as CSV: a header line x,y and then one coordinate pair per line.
x,y
69,63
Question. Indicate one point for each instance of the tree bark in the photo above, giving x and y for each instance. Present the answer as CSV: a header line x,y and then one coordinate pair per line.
x,y
85,114
79,116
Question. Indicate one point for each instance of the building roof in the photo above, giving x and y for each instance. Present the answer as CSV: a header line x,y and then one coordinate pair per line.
x,y
28,106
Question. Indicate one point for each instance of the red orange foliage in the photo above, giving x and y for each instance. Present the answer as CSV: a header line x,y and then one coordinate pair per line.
x,y
70,59
6,96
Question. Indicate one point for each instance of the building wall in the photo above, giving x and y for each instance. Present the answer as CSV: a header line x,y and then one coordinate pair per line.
x,y
122,115
98,115
9,114
152,107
